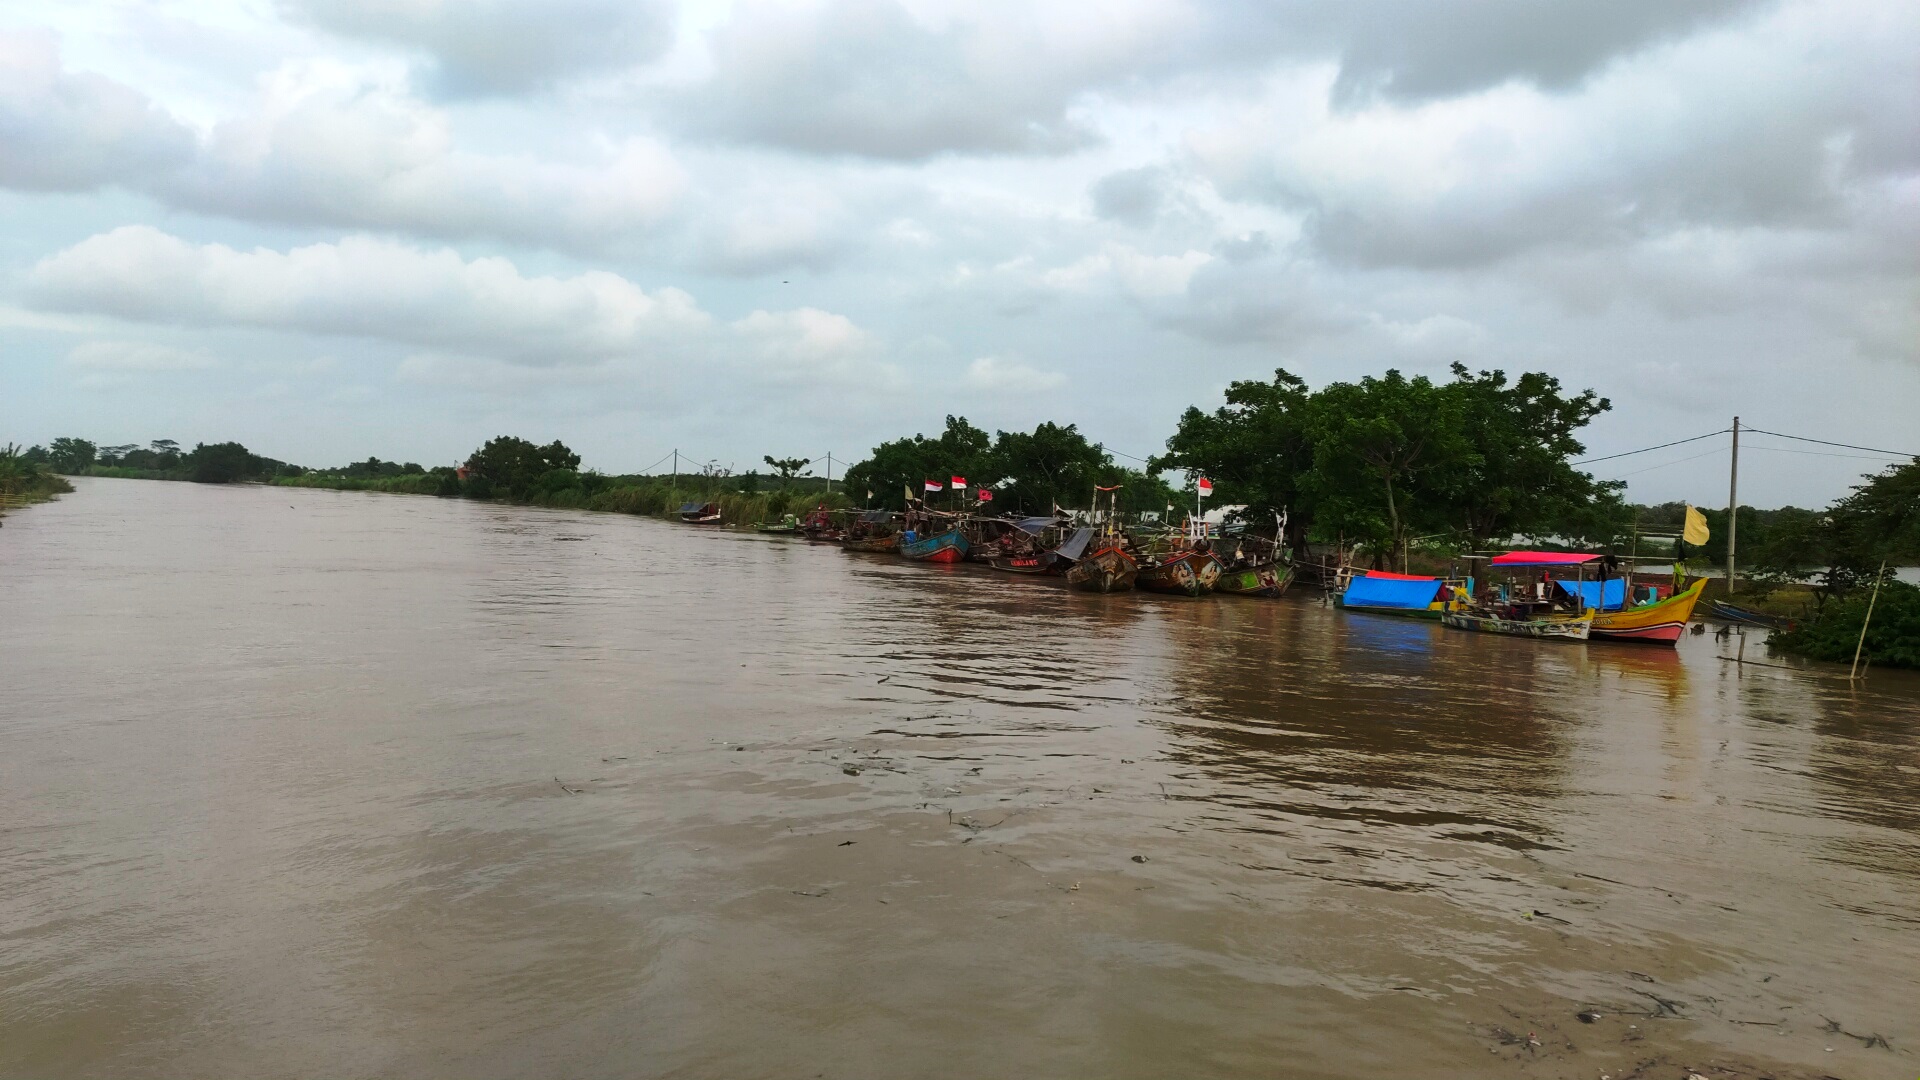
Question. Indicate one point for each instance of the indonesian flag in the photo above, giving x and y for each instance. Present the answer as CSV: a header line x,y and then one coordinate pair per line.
x,y
1206,487
934,485
959,482
985,495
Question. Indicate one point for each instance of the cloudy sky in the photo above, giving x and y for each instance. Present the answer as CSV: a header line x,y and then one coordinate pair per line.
x,y
335,228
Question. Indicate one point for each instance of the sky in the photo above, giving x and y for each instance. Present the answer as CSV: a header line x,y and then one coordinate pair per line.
x,y
331,229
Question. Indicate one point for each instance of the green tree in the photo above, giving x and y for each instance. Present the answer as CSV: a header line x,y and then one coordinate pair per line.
x,y
900,466
1384,449
1257,449
515,467
1514,475
70,455
1047,467
221,463
788,468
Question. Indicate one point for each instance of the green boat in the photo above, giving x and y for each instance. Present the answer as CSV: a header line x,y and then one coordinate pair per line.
x,y
786,525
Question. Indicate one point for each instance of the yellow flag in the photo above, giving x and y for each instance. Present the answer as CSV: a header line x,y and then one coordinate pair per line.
x,y
1695,533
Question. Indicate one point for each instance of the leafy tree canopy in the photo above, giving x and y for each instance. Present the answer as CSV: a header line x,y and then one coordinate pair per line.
x,y
70,455
515,466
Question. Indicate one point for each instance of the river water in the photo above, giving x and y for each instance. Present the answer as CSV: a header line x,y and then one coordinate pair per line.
x,y
302,783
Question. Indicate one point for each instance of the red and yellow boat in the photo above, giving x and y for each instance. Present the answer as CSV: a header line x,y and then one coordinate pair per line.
x,y
1658,623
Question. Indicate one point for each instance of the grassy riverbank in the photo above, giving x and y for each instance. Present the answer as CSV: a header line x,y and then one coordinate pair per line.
x,y
568,490
24,481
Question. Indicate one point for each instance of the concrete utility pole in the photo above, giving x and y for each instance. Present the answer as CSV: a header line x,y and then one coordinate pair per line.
x,y
676,471
829,472
1733,503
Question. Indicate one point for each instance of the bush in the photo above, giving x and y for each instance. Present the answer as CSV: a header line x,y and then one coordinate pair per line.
x,y
1893,637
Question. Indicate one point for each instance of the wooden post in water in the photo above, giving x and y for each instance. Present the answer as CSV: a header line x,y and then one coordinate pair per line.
x,y
1733,503
1854,671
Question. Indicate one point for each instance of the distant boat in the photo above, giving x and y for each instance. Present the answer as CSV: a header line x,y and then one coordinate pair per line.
x,y
786,525
945,547
873,530
700,513
1026,547
885,542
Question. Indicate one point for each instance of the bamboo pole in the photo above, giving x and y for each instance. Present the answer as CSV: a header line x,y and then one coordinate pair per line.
x,y
1853,672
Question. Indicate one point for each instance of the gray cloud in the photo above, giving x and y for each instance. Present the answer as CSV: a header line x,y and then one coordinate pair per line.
x,y
486,47
1131,196
62,131
864,78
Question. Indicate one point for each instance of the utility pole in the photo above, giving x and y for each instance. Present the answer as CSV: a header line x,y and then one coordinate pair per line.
x,y
829,472
676,472
1733,503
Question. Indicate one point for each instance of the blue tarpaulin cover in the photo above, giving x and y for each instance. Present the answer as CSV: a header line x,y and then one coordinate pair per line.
x,y
1590,595
1391,592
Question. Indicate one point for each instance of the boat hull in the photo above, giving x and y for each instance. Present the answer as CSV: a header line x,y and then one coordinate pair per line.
x,y
1190,574
1433,611
1265,580
1044,563
1108,570
947,547
1540,629
1652,624
889,542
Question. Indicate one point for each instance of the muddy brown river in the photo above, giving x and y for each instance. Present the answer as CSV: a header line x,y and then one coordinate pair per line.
x,y
320,784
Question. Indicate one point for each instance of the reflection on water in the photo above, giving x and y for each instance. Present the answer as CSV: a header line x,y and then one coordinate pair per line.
x,y
309,783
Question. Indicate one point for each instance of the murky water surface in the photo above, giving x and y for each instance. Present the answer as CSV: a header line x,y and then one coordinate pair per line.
x,y
299,784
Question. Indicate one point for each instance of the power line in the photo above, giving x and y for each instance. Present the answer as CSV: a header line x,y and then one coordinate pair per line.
x,y
1814,453
1823,442
1663,465
1645,449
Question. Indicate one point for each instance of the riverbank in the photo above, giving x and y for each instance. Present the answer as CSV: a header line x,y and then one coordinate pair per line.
x,y
644,497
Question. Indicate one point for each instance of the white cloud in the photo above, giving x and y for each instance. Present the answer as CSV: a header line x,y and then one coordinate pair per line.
x,y
811,347
504,46
1142,275
138,356
365,287
994,375
61,131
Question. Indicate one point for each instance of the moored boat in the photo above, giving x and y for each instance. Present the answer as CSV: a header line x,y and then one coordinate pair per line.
x,y
1105,569
1381,592
700,513
882,542
1260,579
1185,572
785,526
1546,628
949,546
1658,623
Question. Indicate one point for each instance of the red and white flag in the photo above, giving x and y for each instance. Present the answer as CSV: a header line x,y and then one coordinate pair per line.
x,y
934,485
959,482
985,495
1206,487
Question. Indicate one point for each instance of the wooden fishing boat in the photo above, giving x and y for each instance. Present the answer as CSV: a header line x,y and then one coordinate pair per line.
x,y
1659,623
700,513
1106,569
1043,562
824,524
885,542
1547,628
944,547
1410,596
1733,613
1187,572
1267,579
785,526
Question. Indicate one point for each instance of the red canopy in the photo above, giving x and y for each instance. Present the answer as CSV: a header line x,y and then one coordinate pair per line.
x,y
1542,558
1391,576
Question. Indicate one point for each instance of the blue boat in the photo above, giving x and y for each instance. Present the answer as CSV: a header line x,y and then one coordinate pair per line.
x,y
946,547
